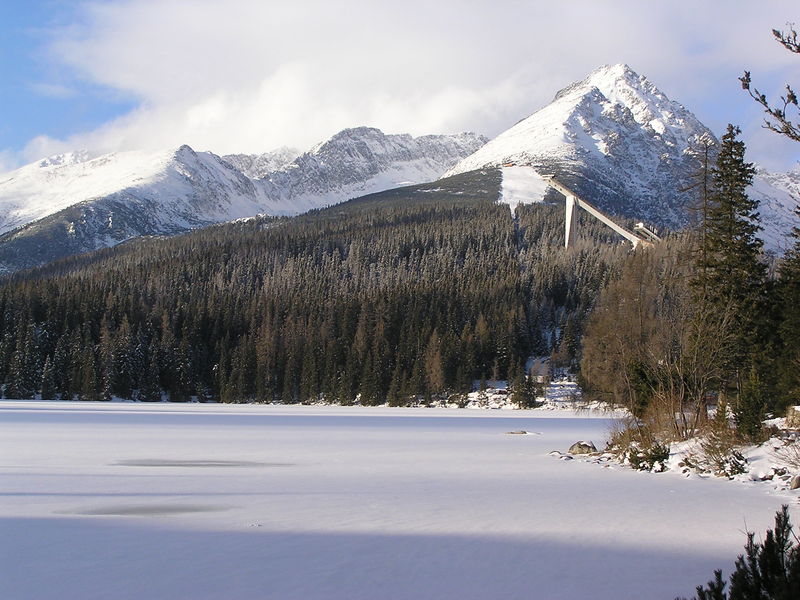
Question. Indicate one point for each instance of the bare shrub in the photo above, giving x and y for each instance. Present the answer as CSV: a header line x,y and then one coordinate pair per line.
x,y
790,453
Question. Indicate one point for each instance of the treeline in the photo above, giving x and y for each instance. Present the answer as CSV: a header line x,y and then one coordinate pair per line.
x,y
398,296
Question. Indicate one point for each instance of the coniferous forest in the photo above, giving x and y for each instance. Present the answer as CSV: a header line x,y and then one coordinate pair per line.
x,y
400,296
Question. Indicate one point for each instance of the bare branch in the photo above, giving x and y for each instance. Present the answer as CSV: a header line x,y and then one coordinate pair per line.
x,y
777,119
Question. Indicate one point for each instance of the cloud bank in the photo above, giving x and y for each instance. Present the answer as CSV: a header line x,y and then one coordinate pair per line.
x,y
249,76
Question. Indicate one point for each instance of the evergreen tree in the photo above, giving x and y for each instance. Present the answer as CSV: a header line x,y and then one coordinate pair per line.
x,y
48,389
107,361
730,278
434,369
89,385
768,570
150,387
788,299
123,367
24,374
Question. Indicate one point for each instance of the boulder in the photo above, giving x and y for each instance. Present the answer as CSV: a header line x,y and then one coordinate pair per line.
x,y
582,447
794,483
793,417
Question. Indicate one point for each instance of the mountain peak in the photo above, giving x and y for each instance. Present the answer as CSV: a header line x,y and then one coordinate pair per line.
x,y
613,136
348,136
185,152
605,78
617,72
66,158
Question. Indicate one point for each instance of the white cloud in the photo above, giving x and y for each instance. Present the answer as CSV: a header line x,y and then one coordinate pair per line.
x,y
248,76
53,90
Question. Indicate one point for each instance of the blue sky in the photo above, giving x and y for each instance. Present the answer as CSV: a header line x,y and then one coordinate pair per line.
x,y
39,96
252,75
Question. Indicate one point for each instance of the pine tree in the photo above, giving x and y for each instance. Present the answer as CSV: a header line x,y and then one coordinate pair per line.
x,y
731,269
88,383
123,367
768,570
19,377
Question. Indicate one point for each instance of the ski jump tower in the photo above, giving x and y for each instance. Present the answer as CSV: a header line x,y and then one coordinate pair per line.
x,y
644,236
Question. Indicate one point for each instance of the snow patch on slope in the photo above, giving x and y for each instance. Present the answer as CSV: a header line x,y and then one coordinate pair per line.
x,y
521,185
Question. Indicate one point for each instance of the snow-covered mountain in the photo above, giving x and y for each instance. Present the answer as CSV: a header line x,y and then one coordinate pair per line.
x,y
361,161
256,166
75,203
779,197
624,145
174,190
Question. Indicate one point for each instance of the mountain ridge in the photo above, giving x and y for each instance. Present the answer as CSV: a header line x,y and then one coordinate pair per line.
x,y
76,203
613,137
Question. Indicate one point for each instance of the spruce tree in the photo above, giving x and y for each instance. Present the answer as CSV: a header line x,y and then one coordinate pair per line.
x,y
788,293
730,276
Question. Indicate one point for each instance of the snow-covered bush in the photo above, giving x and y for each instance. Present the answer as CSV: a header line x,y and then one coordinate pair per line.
x,y
718,455
717,451
635,444
651,458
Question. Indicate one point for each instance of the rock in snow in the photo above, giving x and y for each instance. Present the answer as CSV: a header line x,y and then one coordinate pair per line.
x,y
582,447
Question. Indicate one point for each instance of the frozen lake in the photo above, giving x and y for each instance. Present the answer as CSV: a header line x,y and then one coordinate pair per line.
x,y
195,501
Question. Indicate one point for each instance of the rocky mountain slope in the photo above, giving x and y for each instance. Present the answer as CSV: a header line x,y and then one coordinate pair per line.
x,y
74,203
622,144
256,166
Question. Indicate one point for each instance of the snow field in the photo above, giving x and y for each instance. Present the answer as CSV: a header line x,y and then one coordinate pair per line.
x,y
521,185
241,501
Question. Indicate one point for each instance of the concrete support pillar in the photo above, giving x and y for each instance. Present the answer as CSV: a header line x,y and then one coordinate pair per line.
x,y
570,222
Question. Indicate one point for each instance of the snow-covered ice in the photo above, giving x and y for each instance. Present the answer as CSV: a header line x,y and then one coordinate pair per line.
x,y
196,501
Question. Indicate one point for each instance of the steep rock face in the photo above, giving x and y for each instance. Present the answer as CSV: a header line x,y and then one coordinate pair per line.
x,y
75,203
256,166
618,141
